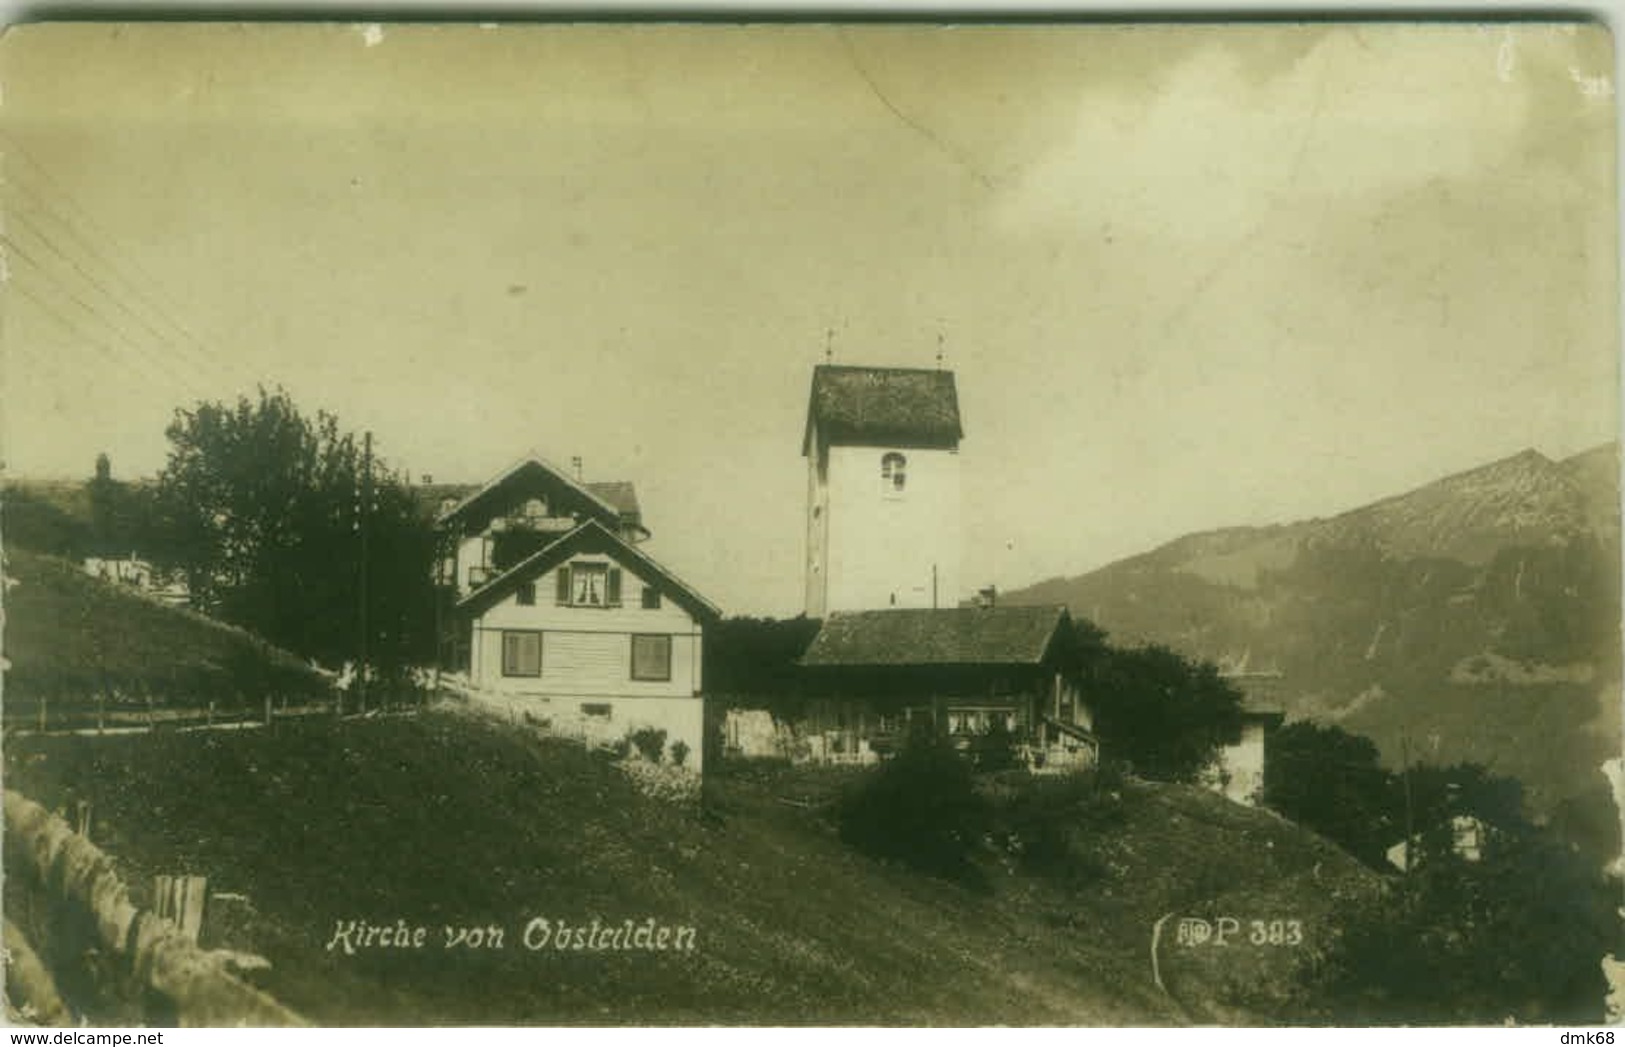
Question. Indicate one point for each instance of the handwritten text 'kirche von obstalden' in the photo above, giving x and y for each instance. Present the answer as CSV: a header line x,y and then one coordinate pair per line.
x,y
539,934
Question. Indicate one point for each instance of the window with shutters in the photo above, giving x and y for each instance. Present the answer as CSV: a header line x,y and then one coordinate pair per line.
x,y
521,653
651,657
589,585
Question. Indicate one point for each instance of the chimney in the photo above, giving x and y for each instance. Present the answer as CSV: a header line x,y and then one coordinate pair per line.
x,y
575,466
988,597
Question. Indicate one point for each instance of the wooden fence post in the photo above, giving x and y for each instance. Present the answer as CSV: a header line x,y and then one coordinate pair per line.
x,y
179,899
267,708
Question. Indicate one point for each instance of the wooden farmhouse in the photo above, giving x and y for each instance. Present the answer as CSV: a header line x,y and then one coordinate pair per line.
x,y
965,672
555,613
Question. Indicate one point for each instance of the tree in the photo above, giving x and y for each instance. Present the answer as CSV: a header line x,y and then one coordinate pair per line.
x,y
1511,929
1331,781
1165,714
1438,795
264,512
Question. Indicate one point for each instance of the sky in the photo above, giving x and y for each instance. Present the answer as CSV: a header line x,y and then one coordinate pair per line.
x,y
1186,276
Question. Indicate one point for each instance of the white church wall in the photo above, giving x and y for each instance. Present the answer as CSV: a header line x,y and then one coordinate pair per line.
x,y
886,548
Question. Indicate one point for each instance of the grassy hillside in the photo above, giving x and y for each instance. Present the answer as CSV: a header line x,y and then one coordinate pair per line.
x,y
443,820
47,517
70,637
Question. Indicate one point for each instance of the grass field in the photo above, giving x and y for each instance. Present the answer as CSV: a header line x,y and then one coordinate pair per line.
x,y
72,639
442,820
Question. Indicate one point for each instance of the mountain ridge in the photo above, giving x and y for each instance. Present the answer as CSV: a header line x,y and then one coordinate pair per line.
x,y
1474,617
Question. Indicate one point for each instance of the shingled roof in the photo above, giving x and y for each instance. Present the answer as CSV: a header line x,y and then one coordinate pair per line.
x,y
945,636
895,405
619,493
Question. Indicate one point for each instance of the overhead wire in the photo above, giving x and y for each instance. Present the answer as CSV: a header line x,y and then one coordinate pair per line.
x,y
19,218
187,348
147,355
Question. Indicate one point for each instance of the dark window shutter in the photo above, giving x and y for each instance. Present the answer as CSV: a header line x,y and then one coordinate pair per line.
x,y
564,585
612,596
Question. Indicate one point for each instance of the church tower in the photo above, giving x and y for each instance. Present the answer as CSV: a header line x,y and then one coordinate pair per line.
x,y
882,450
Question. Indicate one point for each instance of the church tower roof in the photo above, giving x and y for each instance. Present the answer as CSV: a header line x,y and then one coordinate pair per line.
x,y
897,406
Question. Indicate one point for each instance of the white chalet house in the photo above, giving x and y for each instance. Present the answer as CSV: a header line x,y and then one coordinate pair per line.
x,y
556,614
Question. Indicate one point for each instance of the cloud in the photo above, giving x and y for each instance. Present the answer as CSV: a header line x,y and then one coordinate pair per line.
x,y
1214,150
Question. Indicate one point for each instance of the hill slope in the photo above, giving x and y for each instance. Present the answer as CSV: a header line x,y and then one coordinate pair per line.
x,y
440,820
70,637
1475,618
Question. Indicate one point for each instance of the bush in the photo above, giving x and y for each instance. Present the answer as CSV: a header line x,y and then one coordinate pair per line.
x,y
920,808
1051,825
679,752
650,742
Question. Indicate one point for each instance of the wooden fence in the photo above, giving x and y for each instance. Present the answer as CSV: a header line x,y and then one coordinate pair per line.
x,y
88,944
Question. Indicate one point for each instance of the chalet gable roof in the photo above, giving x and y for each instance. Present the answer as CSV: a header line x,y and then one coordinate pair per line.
x,y
590,537
615,503
944,636
901,406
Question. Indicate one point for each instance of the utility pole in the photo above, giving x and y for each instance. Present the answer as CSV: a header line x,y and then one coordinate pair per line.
x,y
439,599
362,520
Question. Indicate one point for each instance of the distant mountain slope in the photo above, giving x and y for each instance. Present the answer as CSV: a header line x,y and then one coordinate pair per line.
x,y
1476,617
